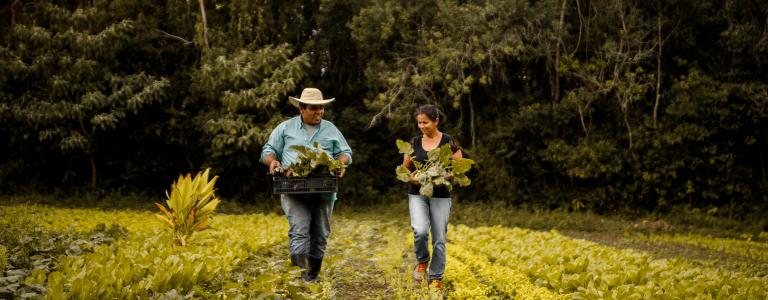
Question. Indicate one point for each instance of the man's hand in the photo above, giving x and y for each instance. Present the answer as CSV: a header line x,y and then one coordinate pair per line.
x,y
274,167
345,160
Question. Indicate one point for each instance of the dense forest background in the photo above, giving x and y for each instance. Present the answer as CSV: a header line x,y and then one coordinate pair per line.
x,y
601,105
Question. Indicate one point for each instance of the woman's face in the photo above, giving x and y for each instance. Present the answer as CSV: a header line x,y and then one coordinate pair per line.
x,y
426,125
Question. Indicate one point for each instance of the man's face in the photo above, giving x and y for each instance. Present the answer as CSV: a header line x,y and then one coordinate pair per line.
x,y
312,114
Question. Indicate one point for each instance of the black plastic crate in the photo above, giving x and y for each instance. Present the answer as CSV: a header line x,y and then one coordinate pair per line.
x,y
304,185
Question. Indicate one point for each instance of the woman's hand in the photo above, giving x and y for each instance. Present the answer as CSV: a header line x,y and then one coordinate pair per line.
x,y
414,180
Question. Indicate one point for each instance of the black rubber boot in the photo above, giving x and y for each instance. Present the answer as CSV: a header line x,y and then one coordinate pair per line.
x,y
315,264
300,260
304,262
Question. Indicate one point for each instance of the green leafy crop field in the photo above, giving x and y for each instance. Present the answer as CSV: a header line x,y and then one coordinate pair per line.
x,y
88,253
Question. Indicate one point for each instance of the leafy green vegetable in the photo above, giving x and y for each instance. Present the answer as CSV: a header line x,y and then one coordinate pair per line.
x,y
484,262
438,169
315,162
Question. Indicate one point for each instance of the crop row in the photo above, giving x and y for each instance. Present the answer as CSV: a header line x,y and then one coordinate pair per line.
x,y
502,281
144,262
75,254
587,270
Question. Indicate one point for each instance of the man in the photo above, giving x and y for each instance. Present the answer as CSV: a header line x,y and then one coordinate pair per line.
x,y
308,214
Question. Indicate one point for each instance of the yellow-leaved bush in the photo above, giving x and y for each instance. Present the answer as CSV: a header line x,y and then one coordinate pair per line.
x,y
190,206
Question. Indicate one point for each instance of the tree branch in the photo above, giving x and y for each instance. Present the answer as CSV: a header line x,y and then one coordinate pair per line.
x,y
175,37
386,109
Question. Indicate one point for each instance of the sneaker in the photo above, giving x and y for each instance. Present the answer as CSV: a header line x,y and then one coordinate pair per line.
x,y
437,283
418,272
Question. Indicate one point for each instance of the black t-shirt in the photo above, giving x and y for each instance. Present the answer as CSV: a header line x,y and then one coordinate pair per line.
x,y
420,155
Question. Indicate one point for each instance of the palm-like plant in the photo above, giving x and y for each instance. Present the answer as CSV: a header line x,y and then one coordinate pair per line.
x,y
190,206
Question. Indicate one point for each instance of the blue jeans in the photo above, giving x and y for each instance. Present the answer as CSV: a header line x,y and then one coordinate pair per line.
x,y
309,217
430,215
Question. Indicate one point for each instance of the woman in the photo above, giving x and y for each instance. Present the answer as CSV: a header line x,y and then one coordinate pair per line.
x,y
429,214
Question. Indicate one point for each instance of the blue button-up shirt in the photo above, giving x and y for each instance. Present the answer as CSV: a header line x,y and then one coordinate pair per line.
x,y
293,132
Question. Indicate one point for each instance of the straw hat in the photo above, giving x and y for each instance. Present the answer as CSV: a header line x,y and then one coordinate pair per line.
x,y
310,96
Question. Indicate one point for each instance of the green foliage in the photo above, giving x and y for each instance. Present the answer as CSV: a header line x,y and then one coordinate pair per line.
x,y
234,101
484,261
30,250
315,162
510,282
244,90
242,80
583,161
588,270
438,169
600,105
64,82
458,49
191,205
142,261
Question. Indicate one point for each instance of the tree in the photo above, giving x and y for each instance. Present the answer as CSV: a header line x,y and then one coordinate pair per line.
x,y
449,52
243,91
239,87
62,77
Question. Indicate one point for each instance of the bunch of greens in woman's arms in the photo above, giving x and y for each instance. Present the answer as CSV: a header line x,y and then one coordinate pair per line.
x,y
314,162
438,169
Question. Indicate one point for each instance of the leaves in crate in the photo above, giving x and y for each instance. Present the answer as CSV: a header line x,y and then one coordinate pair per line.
x,y
315,162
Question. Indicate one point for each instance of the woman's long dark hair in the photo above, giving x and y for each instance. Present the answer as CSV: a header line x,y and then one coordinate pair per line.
x,y
431,111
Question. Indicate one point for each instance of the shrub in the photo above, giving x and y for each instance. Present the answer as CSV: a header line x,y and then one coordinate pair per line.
x,y
190,206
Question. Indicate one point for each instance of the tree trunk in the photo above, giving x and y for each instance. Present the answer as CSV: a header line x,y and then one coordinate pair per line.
x,y
629,128
89,153
93,173
92,162
555,76
762,161
658,63
581,120
205,24
472,120
556,88
13,12
188,157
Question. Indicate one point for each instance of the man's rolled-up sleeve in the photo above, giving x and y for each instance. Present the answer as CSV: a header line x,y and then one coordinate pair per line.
x,y
274,144
342,148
